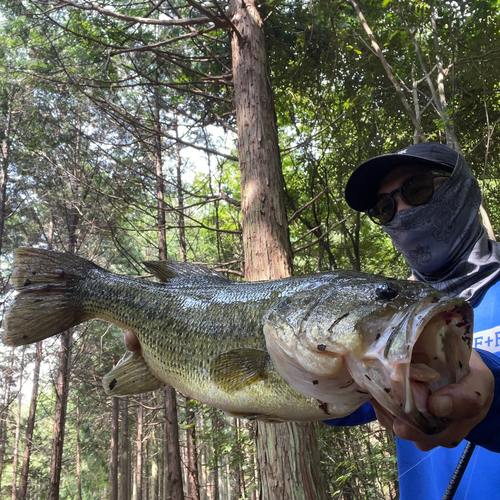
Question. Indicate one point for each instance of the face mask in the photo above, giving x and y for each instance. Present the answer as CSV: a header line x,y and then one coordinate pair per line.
x,y
437,236
444,242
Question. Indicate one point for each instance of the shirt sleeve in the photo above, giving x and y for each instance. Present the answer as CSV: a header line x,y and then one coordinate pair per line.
x,y
362,415
486,433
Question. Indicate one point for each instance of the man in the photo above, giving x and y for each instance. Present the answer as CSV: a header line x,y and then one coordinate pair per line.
x,y
427,200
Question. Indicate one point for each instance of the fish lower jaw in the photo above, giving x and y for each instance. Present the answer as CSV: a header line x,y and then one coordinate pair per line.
x,y
433,351
322,376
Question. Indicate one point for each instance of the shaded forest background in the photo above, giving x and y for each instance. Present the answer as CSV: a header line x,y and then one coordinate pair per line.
x,y
118,143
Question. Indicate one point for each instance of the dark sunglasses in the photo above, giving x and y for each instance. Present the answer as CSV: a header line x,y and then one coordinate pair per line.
x,y
416,190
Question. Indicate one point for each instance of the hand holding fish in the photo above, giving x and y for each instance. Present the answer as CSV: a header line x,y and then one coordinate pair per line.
x,y
466,402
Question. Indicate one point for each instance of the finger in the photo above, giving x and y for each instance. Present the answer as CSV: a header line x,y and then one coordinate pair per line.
x,y
448,439
131,341
456,402
468,398
405,431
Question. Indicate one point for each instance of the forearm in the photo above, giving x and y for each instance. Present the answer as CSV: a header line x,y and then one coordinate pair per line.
x,y
362,415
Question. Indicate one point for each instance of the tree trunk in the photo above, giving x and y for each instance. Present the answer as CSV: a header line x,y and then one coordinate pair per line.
x,y
162,240
138,470
146,467
4,417
215,460
172,474
172,464
192,453
78,455
236,472
292,475
60,414
287,453
154,467
4,169
451,137
180,201
23,483
113,459
17,435
193,485
266,242
125,454
66,339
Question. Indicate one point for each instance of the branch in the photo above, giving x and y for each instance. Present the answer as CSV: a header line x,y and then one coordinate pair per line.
x,y
145,20
303,247
204,11
145,48
387,67
308,233
229,271
298,212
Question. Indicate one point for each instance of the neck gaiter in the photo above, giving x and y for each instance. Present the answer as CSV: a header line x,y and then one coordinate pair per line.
x,y
443,241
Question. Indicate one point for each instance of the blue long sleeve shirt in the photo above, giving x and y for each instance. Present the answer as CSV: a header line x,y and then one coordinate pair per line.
x,y
426,475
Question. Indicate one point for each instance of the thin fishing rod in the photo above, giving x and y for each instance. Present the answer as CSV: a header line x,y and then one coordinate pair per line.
x,y
459,471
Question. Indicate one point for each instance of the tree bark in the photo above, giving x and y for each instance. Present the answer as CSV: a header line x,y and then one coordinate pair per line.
x,y
173,489
193,485
60,414
17,435
138,470
4,417
266,244
23,483
125,454
292,469
180,201
216,456
162,239
78,455
4,169
236,472
113,459
146,464
154,493
173,472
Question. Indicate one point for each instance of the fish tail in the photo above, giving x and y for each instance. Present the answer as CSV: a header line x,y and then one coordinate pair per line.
x,y
46,304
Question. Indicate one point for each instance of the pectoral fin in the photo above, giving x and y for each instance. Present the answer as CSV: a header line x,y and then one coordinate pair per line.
x,y
234,370
131,376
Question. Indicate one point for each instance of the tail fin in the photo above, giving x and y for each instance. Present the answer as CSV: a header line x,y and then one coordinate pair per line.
x,y
46,303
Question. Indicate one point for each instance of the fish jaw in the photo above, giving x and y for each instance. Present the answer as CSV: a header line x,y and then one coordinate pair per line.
x,y
429,348
311,367
397,342
325,378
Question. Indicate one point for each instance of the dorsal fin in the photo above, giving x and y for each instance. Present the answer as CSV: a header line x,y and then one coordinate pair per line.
x,y
166,270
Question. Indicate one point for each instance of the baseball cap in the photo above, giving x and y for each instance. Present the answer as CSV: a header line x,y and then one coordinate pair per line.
x,y
361,188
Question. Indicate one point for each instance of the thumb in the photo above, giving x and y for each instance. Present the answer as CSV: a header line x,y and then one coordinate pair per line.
x,y
456,402
469,398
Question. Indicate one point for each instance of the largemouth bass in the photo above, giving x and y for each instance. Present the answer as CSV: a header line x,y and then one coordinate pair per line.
x,y
303,348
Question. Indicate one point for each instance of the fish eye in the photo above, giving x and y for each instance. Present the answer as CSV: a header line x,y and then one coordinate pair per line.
x,y
387,291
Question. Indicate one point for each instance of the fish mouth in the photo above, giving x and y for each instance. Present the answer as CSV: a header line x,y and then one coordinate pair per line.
x,y
426,350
